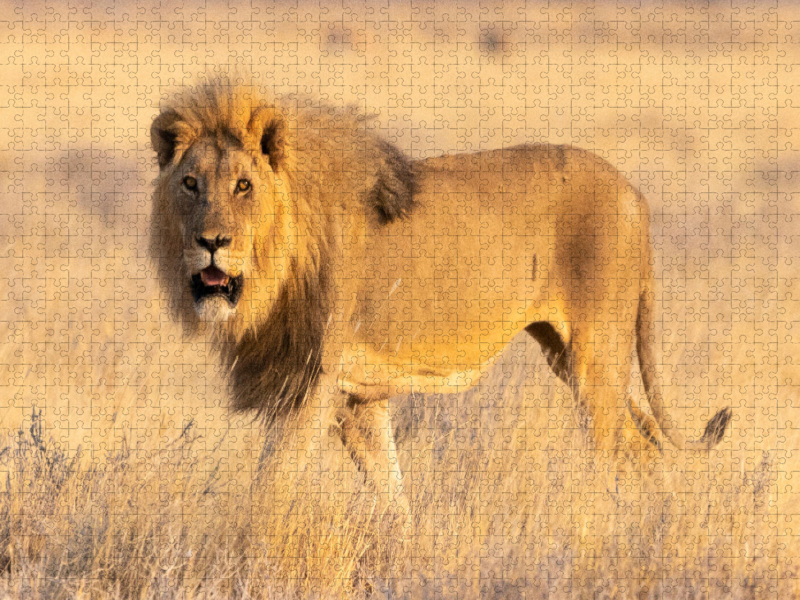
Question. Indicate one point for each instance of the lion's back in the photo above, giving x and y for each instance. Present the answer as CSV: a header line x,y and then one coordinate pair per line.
x,y
534,179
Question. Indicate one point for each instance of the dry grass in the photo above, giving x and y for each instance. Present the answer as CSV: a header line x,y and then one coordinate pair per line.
x,y
123,475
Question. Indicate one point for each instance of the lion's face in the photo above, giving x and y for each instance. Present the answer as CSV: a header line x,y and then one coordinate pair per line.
x,y
218,194
221,230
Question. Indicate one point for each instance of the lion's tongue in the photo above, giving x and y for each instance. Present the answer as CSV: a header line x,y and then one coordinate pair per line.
x,y
211,276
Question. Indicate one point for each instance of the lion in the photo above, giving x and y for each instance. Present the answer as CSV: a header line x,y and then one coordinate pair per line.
x,y
334,270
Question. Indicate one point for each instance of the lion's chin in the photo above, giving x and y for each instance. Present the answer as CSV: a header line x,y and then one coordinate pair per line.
x,y
214,309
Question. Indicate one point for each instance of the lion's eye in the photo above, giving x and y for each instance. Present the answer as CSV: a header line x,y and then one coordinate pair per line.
x,y
242,185
190,183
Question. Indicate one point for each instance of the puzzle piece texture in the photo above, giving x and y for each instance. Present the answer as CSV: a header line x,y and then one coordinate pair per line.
x,y
125,468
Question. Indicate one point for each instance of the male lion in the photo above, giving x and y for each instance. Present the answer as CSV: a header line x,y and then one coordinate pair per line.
x,y
336,271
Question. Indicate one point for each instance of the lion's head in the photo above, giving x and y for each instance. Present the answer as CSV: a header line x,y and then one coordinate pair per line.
x,y
223,232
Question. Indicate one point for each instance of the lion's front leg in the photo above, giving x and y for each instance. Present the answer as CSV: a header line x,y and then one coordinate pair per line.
x,y
367,436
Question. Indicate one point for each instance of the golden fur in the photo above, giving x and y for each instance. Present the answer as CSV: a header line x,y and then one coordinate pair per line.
x,y
365,275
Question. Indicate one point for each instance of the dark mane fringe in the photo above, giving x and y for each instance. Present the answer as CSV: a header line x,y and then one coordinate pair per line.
x,y
392,196
274,368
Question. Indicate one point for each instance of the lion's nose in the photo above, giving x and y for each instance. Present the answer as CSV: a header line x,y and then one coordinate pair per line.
x,y
213,244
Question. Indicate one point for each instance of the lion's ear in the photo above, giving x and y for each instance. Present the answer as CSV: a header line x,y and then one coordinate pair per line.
x,y
164,135
273,142
268,128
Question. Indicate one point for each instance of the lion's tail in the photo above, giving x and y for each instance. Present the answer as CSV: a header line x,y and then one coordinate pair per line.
x,y
651,377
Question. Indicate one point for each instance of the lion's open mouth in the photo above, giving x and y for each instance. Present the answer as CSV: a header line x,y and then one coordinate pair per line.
x,y
212,281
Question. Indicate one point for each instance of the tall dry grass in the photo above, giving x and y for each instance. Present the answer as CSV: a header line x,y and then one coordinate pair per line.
x,y
122,474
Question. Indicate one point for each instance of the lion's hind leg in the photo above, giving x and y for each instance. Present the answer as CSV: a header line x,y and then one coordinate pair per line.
x,y
367,435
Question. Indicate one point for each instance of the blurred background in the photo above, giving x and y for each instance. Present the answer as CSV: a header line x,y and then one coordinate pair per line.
x,y
693,102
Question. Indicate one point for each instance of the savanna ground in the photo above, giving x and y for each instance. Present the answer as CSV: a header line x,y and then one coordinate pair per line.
x,y
123,475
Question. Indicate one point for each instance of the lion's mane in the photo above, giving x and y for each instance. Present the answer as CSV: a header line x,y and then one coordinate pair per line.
x,y
332,172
